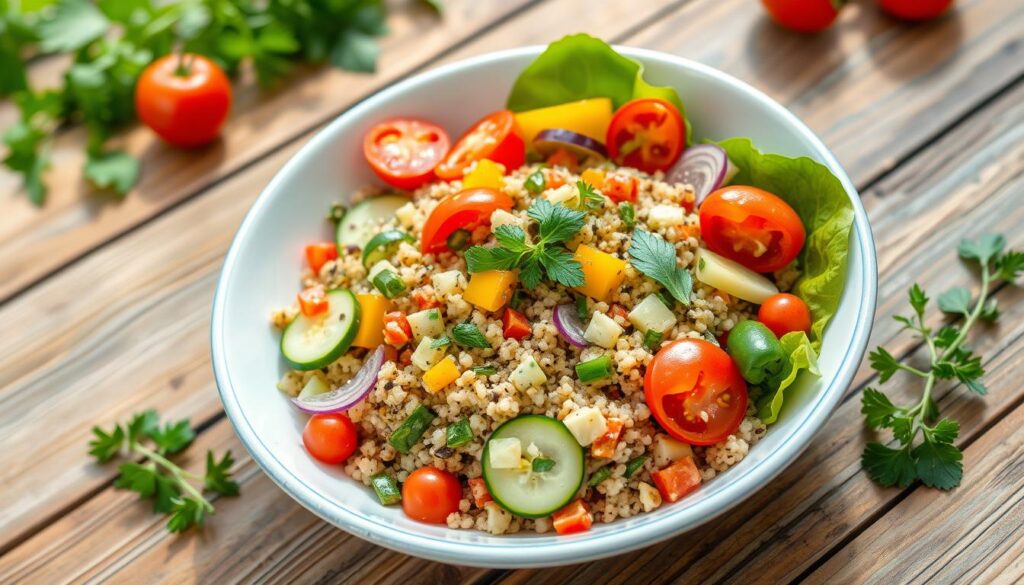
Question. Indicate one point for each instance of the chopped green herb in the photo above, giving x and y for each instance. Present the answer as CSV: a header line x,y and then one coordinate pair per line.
x,y
590,199
535,183
336,213
656,258
434,314
666,298
518,296
581,308
600,475
443,341
635,464
628,214
467,334
599,368
542,464
388,283
485,370
459,240
710,337
386,487
652,339
412,428
459,433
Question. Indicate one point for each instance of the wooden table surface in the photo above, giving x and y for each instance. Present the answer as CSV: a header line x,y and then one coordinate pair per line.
x,y
105,306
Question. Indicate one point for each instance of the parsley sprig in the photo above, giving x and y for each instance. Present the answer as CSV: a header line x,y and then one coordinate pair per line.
x,y
927,451
656,258
556,224
158,478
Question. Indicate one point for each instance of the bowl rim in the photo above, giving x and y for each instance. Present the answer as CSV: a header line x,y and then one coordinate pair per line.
x,y
520,552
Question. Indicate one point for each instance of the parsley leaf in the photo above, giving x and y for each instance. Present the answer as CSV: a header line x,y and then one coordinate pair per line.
x,y
889,466
590,198
116,170
187,513
469,335
884,363
173,437
918,300
877,409
73,25
218,475
561,267
443,341
628,214
1009,266
105,445
656,258
557,223
955,300
939,465
984,249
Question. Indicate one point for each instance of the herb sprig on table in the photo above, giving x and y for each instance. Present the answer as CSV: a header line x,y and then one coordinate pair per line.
x,y
149,472
925,449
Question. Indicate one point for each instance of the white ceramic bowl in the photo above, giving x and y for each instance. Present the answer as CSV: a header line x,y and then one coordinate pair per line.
x,y
262,269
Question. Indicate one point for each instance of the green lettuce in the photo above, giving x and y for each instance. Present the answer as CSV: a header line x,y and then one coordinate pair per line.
x,y
800,356
579,67
826,212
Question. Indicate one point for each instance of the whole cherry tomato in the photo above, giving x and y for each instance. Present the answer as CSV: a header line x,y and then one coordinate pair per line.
x,y
464,210
647,134
184,98
915,9
430,495
804,15
330,438
695,391
751,226
784,313
404,151
495,137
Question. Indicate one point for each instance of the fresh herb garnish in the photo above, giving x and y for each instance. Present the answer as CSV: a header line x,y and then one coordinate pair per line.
x,y
581,308
590,199
600,475
469,335
934,459
628,214
158,478
656,258
443,341
484,370
556,224
542,464
535,183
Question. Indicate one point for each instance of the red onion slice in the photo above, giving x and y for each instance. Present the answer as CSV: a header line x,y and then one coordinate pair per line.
x,y
548,141
568,324
706,167
348,394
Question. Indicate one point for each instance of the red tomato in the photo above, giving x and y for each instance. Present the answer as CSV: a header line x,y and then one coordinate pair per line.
x,y
677,480
784,313
478,489
313,301
183,98
804,15
515,325
604,446
573,518
330,438
430,495
915,9
465,209
646,134
695,391
319,254
751,226
495,137
404,151
397,331
424,300
619,188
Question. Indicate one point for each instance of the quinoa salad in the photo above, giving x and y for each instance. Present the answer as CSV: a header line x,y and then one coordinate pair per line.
x,y
570,314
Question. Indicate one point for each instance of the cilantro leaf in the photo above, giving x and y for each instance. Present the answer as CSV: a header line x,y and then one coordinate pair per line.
x,y
512,238
557,223
939,464
115,170
884,363
218,475
946,336
887,466
173,437
562,268
656,258
28,156
531,273
187,513
469,335
166,490
984,249
878,410
73,25
105,445
1010,265
482,259
956,300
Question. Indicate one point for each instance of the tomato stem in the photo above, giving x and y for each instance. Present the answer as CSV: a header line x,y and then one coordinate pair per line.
x,y
184,67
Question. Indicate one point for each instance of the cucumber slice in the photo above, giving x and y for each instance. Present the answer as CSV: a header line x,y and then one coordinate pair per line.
x,y
529,494
309,343
383,245
363,219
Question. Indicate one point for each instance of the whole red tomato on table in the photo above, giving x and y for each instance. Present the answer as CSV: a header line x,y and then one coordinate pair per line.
x,y
804,15
184,98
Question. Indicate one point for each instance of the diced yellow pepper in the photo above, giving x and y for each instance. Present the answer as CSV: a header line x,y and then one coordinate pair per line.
x,y
371,320
594,178
486,173
602,273
588,117
490,290
443,373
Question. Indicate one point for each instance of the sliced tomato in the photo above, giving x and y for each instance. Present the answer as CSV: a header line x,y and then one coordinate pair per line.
x,y
515,325
404,151
751,226
321,253
573,518
619,188
677,480
466,210
424,300
496,137
397,331
695,391
313,301
478,489
604,446
647,134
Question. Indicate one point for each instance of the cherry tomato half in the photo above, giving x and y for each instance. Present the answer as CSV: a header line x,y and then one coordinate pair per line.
x,y
430,495
404,151
784,313
495,137
751,226
804,15
466,209
646,134
915,9
330,438
184,99
695,391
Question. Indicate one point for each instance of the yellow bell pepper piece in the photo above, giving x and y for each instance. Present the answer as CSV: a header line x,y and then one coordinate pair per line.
x,y
490,290
594,178
602,273
588,117
371,320
443,373
486,173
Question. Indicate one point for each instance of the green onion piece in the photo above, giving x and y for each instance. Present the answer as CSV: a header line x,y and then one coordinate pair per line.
x,y
596,369
600,475
412,428
652,339
635,464
387,489
628,214
468,335
336,213
459,433
389,284
459,240
485,370
535,183
542,464
581,308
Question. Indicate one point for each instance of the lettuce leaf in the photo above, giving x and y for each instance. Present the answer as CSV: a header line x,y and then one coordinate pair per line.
x,y
801,356
827,214
579,67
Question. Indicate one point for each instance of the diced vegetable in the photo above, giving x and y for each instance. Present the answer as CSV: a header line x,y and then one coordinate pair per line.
x,y
635,464
486,173
566,195
561,157
491,289
371,320
498,519
586,424
589,117
603,331
604,446
652,315
600,475
441,375
383,245
426,324
380,267
347,395
650,498
573,518
478,489
427,355
652,339
677,480
504,453
582,310
536,182
705,167
448,283
666,216
319,254
458,240
412,428
386,487
666,450
364,218
620,188
581,145
595,370
757,352
397,331
528,374
388,283
628,214
313,301
485,370
602,272
733,277
593,177
501,217
309,343
568,324
515,325
314,387
458,433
